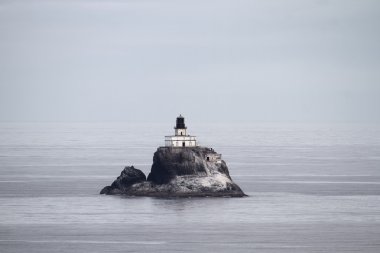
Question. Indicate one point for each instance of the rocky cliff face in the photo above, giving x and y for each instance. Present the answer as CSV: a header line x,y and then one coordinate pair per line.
x,y
127,178
178,172
171,162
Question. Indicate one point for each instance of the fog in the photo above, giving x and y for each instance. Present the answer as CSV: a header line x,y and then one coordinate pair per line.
x,y
212,61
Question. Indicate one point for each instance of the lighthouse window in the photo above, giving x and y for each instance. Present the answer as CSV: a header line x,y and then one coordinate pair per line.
x,y
208,158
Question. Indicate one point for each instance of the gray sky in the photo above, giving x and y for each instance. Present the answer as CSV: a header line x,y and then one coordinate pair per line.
x,y
141,60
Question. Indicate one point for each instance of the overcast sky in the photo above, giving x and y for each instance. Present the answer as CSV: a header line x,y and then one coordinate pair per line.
x,y
141,60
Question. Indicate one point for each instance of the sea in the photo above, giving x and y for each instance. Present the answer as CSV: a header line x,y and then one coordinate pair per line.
x,y
310,187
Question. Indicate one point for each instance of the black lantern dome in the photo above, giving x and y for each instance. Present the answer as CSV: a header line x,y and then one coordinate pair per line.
x,y
180,123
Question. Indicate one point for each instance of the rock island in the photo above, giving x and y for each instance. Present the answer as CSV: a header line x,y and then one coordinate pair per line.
x,y
180,169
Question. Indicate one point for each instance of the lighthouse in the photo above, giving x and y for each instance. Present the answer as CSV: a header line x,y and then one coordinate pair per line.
x,y
180,137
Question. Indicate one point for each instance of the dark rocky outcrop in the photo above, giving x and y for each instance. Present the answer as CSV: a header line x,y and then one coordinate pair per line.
x,y
178,172
171,162
127,178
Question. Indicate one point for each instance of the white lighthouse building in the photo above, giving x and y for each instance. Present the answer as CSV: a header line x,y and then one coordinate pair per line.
x,y
180,137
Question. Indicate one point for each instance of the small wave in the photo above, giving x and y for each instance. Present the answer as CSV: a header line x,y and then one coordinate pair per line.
x,y
87,242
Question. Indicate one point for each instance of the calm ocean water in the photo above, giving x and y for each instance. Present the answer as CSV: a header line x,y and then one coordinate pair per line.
x,y
312,188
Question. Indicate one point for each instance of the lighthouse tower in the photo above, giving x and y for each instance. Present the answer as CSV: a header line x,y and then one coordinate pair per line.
x,y
180,137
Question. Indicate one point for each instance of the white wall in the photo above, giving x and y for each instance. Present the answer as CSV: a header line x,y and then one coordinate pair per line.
x,y
179,131
177,141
